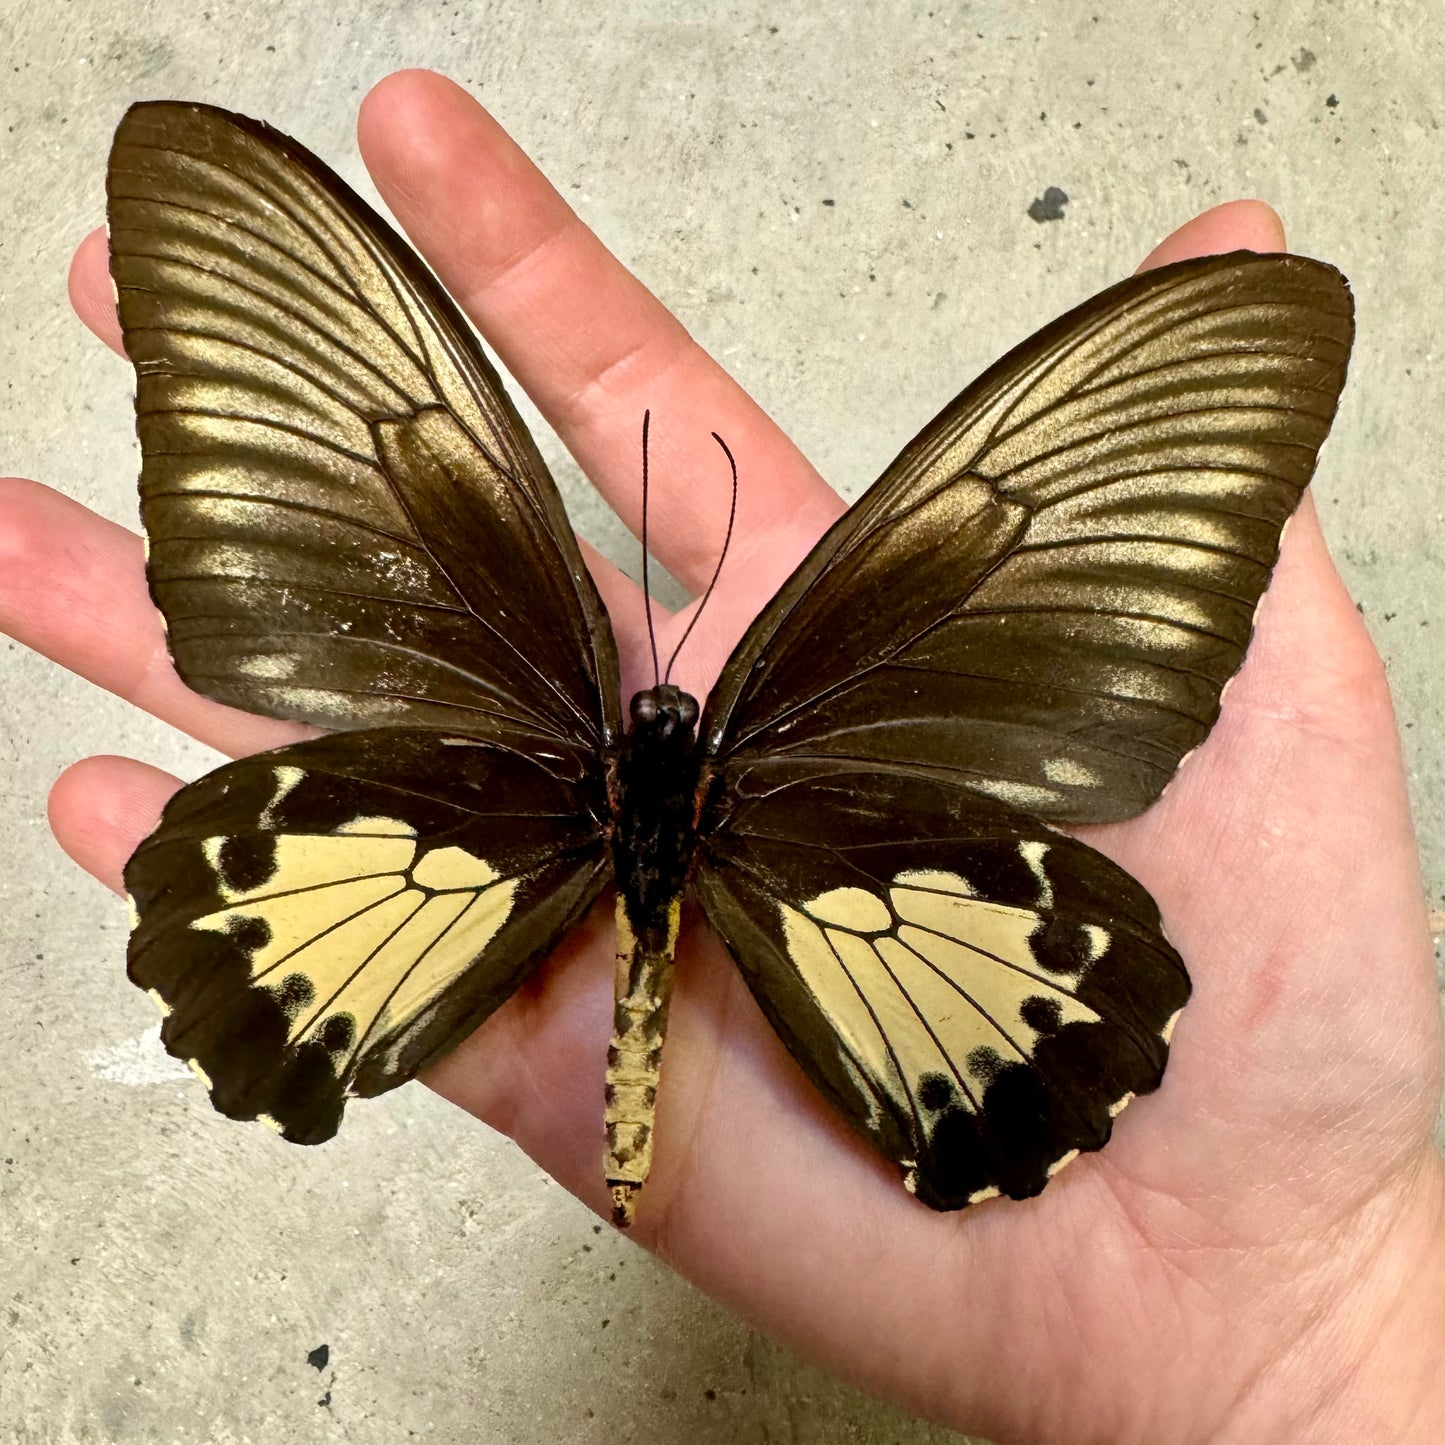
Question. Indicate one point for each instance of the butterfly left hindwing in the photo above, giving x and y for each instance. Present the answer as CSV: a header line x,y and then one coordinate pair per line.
x,y
323,920
978,993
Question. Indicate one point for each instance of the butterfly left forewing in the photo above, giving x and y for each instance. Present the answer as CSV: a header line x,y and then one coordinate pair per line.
x,y
978,994
323,920
348,522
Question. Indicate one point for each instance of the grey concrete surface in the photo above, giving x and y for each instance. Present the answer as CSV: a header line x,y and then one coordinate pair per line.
x,y
836,200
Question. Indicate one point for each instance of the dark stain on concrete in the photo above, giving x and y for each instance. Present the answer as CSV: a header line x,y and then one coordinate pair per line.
x,y
1049,206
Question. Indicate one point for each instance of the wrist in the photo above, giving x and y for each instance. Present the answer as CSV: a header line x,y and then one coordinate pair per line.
x,y
1369,1363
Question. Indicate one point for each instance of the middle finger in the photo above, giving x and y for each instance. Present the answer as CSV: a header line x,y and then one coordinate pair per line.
x,y
589,343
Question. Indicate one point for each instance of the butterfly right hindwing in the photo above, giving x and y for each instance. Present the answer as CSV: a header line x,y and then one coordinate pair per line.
x,y
976,992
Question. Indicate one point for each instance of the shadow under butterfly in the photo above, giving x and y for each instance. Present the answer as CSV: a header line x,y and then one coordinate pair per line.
x,y
350,526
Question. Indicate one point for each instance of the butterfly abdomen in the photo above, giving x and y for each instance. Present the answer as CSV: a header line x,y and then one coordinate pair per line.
x,y
654,788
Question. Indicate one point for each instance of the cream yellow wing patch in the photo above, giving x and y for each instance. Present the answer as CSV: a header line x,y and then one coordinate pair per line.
x,y
931,990
357,932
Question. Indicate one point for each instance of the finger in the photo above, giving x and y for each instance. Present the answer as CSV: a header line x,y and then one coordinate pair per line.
x,y
101,808
589,343
1234,226
92,292
72,587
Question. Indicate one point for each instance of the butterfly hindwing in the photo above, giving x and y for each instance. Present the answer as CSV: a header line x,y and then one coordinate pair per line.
x,y
977,993
1046,593
343,508
323,920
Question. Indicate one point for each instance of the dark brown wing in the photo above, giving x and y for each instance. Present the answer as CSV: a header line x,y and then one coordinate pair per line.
x,y
1044,596
348,521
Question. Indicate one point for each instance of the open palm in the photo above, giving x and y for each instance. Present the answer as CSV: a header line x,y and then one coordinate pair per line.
x,y
1256,1230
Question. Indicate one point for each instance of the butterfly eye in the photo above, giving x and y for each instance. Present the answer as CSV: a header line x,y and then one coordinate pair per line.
x,y
644,708
687,709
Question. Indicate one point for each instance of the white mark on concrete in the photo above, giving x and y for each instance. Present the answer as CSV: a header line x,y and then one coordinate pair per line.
x,y
137,1061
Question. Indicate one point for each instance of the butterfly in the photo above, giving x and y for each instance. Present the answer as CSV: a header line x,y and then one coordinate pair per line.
x,y
1026,623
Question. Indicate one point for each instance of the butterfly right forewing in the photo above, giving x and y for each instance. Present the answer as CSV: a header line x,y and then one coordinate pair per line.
x,y
1045,594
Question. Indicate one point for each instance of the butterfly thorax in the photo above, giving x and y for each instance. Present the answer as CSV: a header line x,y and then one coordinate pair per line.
x,y
654,788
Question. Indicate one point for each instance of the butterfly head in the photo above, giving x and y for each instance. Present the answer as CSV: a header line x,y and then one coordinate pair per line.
x,y
665,714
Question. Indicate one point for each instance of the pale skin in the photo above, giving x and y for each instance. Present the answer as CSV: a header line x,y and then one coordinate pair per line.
x,y
1260,1252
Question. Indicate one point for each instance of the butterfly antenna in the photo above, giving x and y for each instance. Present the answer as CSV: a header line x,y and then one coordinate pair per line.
x,y
646,588
722,557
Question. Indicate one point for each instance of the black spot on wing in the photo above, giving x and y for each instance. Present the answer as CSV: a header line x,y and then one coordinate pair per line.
x,y
985,1063
251,932
296,993
936,1092
337,1033
246,862
1060,944
1042,1014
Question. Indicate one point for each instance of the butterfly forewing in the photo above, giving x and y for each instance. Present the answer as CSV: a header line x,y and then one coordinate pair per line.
x,y
1061,572
322,920
977,993
317,427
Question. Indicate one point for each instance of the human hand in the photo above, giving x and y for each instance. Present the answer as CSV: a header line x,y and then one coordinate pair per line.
x,y
1251,1254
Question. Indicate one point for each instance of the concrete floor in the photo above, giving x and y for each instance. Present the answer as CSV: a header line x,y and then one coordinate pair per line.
x,y
840,210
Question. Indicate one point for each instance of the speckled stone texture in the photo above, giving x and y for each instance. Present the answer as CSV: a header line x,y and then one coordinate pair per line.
x,y
856,208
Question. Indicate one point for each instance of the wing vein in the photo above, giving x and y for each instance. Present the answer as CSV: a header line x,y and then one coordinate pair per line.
x,y
305,326
919,1132
289,504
